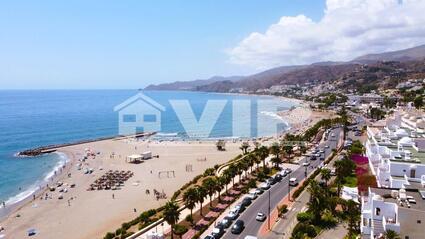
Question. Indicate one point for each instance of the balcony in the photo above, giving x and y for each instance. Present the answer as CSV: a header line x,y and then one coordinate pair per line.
x,y
389,223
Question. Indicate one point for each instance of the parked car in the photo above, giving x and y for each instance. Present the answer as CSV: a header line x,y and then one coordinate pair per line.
x,y
271,181
306,164
278,177
226,222
259,191
283,173
260,217
241,207
209,237
233,214
238,227
288,170
246,201
252,194
218,231
265,185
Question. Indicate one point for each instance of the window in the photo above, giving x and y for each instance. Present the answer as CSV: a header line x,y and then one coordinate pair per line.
x,y
129,118
377,211
418,221
149,118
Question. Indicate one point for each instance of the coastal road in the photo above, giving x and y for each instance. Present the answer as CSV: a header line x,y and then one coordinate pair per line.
x,y
278,191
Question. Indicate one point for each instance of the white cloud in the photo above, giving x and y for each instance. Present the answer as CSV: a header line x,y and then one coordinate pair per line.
x,y
349,28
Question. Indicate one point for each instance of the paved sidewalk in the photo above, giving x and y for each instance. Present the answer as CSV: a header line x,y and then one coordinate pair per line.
x,y
283,228
338,232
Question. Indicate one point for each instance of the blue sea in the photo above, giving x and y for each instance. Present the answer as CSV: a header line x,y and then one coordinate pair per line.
x,y
30,119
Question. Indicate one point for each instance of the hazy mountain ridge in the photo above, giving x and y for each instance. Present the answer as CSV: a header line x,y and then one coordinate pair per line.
x,y
410,54
316,72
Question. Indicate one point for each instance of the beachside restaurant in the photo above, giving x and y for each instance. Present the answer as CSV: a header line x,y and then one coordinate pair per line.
x,y
134,158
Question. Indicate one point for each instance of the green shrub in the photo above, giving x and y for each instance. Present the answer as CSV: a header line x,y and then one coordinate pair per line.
x,y
119,231
109,235
189,218
303,229
180,229
304,217
252,183
175,195
282,210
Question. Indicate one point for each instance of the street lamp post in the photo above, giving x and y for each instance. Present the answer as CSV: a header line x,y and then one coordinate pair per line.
x,y
289,187
268,218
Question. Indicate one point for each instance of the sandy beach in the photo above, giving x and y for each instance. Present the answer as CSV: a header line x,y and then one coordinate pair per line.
x,y
82,214
90,214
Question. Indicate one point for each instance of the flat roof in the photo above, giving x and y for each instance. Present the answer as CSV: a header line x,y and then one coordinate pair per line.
x,y
414,194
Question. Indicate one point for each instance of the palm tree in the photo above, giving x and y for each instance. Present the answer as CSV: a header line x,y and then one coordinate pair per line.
x,y
244,167
225,179
210,186
239,169
263,152
244,147
232,169
200,195
326,175
257,159
219,186
171,214
275,150
190,197
250,159
353,214
288,150
339,175
317,200
390,234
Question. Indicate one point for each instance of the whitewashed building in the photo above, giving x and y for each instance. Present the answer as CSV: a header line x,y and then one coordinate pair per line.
x,y
396,150
397,210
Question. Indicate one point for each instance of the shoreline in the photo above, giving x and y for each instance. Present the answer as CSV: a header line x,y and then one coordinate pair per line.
x,y
174,154
40,188
37,189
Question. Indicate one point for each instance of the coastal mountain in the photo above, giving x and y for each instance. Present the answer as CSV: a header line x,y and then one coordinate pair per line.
x,y
314,73
410,54
190,85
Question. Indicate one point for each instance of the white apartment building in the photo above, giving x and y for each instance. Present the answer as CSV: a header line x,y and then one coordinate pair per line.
x,y
396,150
398,210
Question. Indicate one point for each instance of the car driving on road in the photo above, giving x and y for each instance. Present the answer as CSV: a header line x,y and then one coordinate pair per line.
x,y
260,217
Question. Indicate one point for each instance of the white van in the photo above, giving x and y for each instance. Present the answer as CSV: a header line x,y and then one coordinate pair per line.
x,y
293,182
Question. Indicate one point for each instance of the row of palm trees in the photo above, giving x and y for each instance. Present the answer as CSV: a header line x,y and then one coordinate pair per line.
x,y
215,184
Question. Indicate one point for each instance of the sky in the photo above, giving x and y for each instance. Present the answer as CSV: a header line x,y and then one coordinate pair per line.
x,y
131,44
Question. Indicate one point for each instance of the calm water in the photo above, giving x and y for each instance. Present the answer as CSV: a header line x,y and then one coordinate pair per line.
x,y
29,119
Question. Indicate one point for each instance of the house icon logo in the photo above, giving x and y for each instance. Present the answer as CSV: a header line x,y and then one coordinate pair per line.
x,y
139,113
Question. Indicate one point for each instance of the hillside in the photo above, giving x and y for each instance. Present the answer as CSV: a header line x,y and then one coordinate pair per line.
x,y
191,85
381,66
410,54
